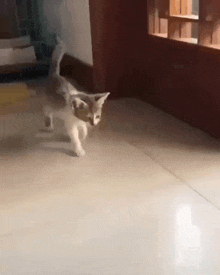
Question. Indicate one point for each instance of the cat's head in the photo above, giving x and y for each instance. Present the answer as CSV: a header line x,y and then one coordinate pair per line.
x,y
88,107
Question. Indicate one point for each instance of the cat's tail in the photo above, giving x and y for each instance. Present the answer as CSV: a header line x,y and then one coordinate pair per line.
x,y
57,56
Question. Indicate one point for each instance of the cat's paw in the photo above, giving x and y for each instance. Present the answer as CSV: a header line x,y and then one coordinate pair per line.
x,y
80,153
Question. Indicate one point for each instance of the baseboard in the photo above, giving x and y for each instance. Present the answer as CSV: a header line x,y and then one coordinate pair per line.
x,y
71,67
23,72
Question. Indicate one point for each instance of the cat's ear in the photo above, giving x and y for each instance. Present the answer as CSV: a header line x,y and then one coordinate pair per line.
x,y
100,98
77,103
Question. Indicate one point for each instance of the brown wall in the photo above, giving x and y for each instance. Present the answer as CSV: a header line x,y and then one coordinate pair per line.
x,y
8,24
180,78
185,82
117,36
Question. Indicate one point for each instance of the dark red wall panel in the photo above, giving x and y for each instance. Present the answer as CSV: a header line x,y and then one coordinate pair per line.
x,y
182,79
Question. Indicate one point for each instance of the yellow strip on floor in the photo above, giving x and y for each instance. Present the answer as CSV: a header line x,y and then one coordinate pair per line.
x,y
13,93
14,98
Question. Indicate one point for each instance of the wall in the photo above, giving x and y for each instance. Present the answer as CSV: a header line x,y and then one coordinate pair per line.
x,y
8,22
185,82
71,20
181,79
117,38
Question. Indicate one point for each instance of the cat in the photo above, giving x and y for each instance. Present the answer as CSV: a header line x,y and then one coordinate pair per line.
x,y
78,110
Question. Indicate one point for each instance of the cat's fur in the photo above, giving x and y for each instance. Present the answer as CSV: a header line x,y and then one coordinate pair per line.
x,y
78,110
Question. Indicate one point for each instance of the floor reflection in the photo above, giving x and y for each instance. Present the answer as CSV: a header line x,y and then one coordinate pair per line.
x,y
187,239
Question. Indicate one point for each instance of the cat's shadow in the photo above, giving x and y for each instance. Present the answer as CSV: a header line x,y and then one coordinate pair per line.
x,y
48,137
45,135
65,151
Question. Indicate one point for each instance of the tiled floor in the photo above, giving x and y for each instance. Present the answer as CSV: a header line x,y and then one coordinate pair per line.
x,y
144,200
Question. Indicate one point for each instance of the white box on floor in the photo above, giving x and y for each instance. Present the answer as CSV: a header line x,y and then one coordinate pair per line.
x,y
15,42
11,54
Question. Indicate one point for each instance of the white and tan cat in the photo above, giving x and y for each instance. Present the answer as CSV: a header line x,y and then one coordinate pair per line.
x,y
78,110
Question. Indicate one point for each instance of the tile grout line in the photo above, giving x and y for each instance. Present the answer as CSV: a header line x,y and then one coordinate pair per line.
x,y
176,176
184,182
165,168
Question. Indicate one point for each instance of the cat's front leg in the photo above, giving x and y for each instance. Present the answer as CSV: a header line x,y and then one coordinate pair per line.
x,y
84,132
48,121
77,146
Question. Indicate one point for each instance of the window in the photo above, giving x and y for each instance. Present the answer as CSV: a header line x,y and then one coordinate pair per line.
x,y
192,21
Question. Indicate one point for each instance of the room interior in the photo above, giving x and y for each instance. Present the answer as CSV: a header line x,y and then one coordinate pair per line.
x,y
145,199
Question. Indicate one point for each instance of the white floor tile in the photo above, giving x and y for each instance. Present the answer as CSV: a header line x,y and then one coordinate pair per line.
x,y
188,153
118,210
